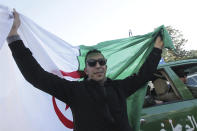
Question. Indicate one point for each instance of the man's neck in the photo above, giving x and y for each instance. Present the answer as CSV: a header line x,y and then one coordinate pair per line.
x,y
101,83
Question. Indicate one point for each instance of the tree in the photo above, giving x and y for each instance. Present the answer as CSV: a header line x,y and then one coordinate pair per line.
x,y
193,54
179,41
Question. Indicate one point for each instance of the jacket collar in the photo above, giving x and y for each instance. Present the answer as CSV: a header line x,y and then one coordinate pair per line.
x,y
91,82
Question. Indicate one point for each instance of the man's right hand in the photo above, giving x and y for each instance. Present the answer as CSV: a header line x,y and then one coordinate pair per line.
x,y
15,25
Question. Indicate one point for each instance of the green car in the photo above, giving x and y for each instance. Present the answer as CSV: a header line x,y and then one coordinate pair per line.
x,y
171,102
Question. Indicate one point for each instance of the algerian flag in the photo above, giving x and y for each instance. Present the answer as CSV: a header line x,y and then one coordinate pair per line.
x,y
23,107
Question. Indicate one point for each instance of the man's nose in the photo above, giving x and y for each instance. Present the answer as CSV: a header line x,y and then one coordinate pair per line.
x,y
97,64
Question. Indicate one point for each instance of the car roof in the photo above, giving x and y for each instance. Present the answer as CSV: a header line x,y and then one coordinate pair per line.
x,y
177,63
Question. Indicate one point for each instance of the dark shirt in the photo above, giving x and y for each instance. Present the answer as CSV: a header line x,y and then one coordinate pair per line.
x,y
94,107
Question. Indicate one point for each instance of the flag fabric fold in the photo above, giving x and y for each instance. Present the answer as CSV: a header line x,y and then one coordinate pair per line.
x,y
19,100
5,23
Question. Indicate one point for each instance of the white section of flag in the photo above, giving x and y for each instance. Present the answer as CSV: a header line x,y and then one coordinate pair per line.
x,y
5,23
23,107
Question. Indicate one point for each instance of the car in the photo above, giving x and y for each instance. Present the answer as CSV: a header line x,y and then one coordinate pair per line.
x,y
177,110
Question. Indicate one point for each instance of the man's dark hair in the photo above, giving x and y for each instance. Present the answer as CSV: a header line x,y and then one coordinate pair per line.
x,y
92,52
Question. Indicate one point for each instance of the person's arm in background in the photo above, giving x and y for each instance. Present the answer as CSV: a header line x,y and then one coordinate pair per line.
x,y
33,72
134,82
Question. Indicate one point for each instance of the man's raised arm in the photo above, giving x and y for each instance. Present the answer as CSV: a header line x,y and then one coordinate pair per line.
x,y
134,82
33,72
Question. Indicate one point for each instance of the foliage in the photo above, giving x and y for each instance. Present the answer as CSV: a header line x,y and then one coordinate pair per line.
x,y
179,53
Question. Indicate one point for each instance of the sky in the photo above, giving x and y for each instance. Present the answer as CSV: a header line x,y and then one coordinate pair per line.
x,y
89,22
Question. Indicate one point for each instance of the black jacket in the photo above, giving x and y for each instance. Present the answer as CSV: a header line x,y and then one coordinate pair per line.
x,y
94,108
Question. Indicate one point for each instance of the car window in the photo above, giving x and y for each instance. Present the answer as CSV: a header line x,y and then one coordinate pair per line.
x,y
195,78
160,91
191,81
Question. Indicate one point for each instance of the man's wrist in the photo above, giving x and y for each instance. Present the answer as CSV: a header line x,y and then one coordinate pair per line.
x,y
12,38
159,47
12,32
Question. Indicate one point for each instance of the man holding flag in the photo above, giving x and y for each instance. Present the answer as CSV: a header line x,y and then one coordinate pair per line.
x,y
97,103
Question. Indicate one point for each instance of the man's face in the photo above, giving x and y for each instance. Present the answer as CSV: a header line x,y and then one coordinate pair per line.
x,y
98,71
184,79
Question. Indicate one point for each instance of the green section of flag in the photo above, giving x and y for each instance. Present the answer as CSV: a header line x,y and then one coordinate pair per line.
x,y
125,57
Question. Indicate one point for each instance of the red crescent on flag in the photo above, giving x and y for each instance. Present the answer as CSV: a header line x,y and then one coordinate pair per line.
x,y
68,123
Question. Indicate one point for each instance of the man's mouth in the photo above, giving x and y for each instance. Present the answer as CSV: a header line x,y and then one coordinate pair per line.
x,y
99,72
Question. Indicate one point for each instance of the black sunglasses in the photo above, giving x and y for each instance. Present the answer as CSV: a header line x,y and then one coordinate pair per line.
x,y
92,62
